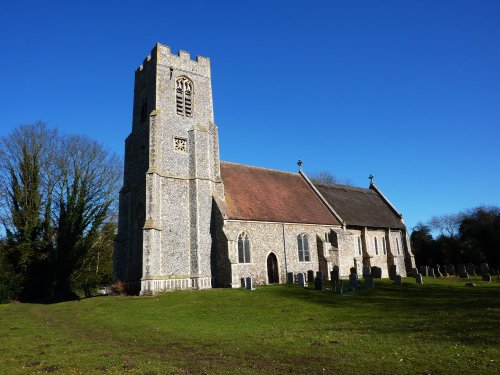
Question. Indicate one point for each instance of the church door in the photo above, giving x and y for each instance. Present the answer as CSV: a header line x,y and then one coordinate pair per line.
x,y
272,269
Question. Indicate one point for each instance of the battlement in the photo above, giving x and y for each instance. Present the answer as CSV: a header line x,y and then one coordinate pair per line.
x,y
162,55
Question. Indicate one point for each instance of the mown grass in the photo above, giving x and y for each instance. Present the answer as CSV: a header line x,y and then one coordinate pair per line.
x,y
440,327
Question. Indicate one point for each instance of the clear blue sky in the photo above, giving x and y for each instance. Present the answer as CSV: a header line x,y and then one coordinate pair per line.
x,y
406,90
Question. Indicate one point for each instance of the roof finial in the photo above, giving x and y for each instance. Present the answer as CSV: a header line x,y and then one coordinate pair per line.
x,y
371,178
299,163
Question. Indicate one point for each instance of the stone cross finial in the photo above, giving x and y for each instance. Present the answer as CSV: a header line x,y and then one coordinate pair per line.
x,y
371,178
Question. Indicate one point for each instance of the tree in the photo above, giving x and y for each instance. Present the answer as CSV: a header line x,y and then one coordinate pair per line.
x,y
23,155
58,193
90,178
327,177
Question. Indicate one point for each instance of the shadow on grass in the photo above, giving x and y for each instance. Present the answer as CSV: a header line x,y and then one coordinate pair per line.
x,y
438,309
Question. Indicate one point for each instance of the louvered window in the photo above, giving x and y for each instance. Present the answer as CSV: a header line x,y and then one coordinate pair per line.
x,y
184,97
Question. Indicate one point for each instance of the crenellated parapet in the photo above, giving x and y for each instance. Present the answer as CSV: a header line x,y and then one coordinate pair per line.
x,y
161,55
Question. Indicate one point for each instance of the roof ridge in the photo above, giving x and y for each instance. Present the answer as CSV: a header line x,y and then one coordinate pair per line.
x,y
253,166
340,186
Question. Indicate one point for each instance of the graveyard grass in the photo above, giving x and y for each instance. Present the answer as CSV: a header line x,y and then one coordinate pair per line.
x,y
440,327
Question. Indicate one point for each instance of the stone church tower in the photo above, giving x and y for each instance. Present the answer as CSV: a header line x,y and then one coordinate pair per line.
x,y
172,175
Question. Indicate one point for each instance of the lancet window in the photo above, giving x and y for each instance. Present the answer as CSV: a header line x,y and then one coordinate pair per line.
x,y
303,247
243,248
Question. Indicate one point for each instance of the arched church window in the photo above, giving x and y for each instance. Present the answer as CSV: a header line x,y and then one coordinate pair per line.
x,y
376,245
303,247
397,244
383,246
359,246
243,248
184,96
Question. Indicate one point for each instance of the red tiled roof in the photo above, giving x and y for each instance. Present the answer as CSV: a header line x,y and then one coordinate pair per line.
x,y
266,195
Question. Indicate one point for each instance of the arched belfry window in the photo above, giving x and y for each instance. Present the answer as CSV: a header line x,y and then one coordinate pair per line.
x,y
184,96
243,248
303,247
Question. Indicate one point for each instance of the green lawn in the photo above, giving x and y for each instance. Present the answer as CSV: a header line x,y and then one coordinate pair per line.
x,y
440,327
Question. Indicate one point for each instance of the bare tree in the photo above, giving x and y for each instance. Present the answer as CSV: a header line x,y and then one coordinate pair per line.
x,y
327,177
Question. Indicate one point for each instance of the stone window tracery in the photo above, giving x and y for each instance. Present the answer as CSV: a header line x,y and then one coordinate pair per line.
x,y
303,247
184,96
243,248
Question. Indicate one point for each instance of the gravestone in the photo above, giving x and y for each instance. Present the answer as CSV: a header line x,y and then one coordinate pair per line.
x,y
430,271
249,283
353,270
437,271
376,272
310,276
471,269
289,278
319,274
424,271
302,281
443,271
369,283
397,280
392,271
366,272
450,268
353,280
483,268
318,282
486,277
419,279
243,282
414,272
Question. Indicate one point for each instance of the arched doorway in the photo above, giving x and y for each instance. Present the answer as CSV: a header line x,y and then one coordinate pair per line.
x,y
272,269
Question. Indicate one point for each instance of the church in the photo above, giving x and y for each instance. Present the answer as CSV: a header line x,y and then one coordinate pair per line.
x,y
188,220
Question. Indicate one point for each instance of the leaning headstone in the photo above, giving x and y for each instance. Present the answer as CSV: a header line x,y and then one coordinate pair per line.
x,y
353,270
431,271
369,283
243,282
486,277
302,281
289,278
392,271
483,268
424,271
319,274
471,269
353,280
366,272
437,271
419,279
450,268
318,283
397,280
310,276
249,283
